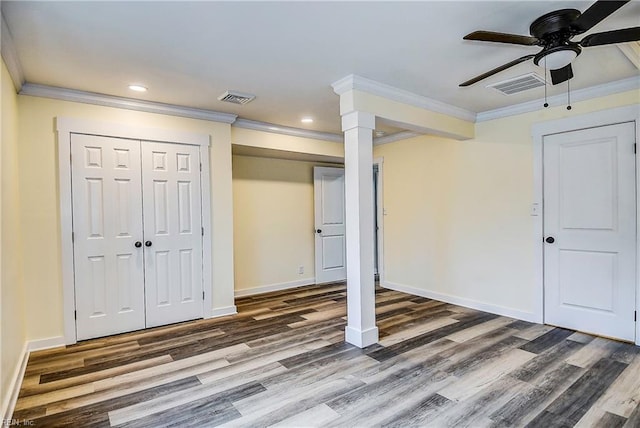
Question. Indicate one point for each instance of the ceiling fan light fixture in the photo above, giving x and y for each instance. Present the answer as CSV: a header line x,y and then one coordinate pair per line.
x,y
557,57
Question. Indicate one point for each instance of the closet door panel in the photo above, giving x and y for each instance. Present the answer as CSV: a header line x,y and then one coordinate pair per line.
x,y
107,223
173,232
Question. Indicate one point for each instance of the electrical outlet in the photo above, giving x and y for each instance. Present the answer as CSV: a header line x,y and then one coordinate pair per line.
x,y
300,270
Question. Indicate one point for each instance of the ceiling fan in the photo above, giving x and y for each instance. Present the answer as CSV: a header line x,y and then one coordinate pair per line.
x,y
553,32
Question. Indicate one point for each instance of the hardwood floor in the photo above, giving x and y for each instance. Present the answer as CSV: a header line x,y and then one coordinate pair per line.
x,y
282,361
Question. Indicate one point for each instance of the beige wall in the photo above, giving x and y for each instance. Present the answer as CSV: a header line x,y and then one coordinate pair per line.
x,y
286,143
12,307
414,118
39,201
458,212
273,222
40,211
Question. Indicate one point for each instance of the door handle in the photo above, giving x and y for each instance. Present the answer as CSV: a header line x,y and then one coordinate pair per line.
x,y
550,240
138,244
148,243
319,231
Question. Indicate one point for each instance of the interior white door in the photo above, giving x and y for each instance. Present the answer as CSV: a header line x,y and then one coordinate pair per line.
x,y
590,230
173,232
330,251
107,224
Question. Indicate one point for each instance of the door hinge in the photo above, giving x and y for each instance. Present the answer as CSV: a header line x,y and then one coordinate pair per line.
x,y
203,231
73,237
635,316
75,315
70,158
203,295
200,166
635,147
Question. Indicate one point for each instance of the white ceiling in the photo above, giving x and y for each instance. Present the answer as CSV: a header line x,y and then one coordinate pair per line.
x,y
289,53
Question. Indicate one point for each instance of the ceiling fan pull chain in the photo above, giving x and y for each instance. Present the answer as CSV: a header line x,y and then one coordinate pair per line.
x,y
568,95
546,104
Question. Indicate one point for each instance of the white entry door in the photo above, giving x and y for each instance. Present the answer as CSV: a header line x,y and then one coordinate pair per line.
x,y
590,230
137,234
330,251
107,224
172,232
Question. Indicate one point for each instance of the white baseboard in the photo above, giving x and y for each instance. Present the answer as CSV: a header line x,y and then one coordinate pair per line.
x,y
223,312
461,301
274,287
9,401
48,343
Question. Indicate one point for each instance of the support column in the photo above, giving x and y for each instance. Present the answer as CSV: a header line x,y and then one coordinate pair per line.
x,y
361,327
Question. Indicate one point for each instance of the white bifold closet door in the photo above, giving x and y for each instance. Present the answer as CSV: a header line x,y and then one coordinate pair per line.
x,y
172,232
107,222
137,234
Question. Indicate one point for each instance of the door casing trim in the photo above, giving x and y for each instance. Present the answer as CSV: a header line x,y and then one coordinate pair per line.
x,y
66,126
538,132
379,162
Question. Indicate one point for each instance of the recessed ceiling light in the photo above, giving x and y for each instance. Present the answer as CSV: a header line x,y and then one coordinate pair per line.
x,y
138,88
306,120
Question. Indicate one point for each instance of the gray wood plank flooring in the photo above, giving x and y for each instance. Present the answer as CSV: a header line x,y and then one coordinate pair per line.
x,y
282,361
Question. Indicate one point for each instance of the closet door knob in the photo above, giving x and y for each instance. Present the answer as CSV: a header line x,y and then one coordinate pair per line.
x,y
319,231
138,244
148,243
550,240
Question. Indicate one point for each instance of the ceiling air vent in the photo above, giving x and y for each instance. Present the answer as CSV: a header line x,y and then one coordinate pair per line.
x,y
518,84
236,97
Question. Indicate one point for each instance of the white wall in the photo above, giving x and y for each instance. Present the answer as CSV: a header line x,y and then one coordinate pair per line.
x,y
458,223
13,312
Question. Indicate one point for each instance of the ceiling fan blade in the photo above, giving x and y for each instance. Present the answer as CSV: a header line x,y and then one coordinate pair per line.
x,y
490,36
610,37
596,13
497,70
561,74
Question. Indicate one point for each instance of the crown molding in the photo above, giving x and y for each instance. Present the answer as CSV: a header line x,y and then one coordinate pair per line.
x,y
286,130
597,91
343,85
403,135
355,82
171,110
124,103
10,55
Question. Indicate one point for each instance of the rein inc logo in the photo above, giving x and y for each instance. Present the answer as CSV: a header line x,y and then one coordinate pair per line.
x,y
18,423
